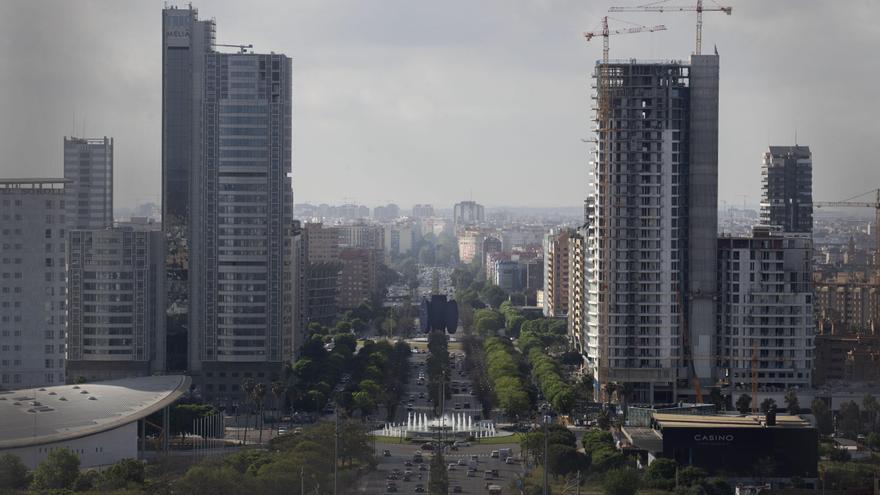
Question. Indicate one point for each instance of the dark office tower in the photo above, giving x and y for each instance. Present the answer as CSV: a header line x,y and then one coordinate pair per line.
x,y
88,164
651,239
787,183
242,253
185,42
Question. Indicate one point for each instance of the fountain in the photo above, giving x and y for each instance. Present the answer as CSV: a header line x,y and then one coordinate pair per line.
x,y
455,422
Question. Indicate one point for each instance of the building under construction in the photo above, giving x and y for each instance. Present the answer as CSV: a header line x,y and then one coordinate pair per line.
x,y
651,245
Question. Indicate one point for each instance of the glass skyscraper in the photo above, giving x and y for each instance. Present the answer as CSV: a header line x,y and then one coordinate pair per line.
x,y
227,209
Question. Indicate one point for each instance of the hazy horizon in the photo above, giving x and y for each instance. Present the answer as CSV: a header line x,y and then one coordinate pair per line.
x,y
433,103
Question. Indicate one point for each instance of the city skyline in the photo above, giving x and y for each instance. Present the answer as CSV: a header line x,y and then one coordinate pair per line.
x,y
391,85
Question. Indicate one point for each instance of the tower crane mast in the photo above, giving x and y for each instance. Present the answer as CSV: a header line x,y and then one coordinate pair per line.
x,y
661,7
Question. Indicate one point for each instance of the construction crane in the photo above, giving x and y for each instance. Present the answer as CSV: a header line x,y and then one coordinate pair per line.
x,y
605,33
241,48
661,7
847,203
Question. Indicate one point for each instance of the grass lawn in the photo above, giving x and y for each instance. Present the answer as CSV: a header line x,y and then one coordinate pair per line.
x,y
514,439
390,440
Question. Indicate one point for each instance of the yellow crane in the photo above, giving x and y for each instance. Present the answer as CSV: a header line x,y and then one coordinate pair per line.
x,y
662,7
848,203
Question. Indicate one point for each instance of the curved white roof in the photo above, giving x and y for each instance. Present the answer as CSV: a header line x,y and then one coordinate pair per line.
x,y
53,414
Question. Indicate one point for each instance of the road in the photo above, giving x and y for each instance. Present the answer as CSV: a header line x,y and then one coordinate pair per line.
x,y
376,483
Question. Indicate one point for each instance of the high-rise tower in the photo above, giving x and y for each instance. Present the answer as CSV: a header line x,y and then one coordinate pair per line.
x,y
651,242
185,42
228,207
88,164
787,188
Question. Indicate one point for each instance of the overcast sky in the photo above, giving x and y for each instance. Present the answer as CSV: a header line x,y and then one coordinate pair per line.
x,y
437,101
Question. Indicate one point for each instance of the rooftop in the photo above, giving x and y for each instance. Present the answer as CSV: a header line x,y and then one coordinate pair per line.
x,y
33,183
53,414
724,421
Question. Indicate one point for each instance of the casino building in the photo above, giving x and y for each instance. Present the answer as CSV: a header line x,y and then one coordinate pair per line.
x,y
736,447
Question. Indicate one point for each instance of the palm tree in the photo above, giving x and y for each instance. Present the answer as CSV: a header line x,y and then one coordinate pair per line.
x,y
278,389
258,396
247,386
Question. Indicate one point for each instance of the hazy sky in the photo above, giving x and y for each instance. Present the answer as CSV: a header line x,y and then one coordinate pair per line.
x,y
436,101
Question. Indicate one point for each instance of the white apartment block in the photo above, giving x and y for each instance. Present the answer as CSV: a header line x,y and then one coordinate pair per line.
x,y
765,310
32,282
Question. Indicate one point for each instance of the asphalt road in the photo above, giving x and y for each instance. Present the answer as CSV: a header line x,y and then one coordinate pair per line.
x,y
376,482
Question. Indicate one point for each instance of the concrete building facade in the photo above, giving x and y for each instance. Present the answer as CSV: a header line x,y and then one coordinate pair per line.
x,y
651,247
88,164
765,310
32,282
115,308
468,213
358,276
787,188
556,272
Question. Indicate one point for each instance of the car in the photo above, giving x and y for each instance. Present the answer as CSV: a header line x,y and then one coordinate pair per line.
x,y
461,462
406,478
450,467
421,395
494,454
422,467
458,405
475,458
456,489
471,473
407,463
391,488
391,477
508,460
420,488
386,453
428,446
467,405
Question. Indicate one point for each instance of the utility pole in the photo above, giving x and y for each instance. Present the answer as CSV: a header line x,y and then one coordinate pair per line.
x,y
335,445
302,481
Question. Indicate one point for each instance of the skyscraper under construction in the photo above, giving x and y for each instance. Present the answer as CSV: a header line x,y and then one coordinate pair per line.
x,y
651,242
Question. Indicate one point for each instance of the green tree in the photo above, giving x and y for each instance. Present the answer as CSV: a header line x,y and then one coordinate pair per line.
x,y
691,476
822,414
791,402
623,481
58,471
13,473
121,475
661,469
493,295
871,408
849,419
438,482
744,403
766,404
259,396
205,479
247,388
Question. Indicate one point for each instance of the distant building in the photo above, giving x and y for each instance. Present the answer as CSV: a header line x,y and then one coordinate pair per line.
x,y
115,310
576,290
491,245
787,188
556,272
470,246
468,213
322,273
361,235
386,213
765,310
32,282
298,274
847,304
517,272
88,164
401,237
358,276
422,211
